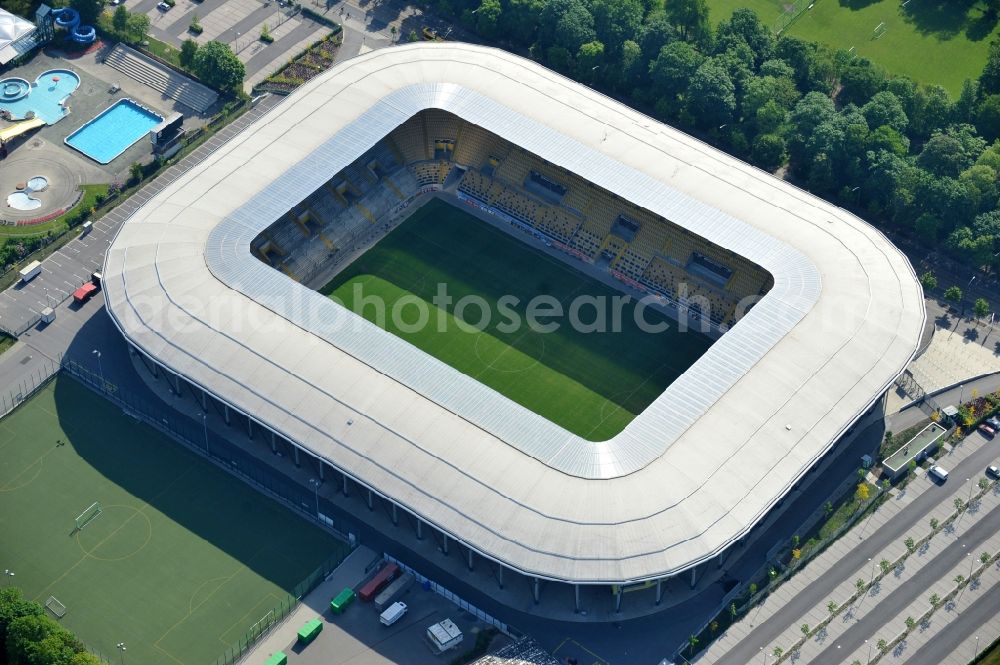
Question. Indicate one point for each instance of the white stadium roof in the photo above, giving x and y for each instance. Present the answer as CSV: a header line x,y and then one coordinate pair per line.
x,y
692,473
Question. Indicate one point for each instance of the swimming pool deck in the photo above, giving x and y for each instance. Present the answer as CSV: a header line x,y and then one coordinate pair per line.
x,y
90,99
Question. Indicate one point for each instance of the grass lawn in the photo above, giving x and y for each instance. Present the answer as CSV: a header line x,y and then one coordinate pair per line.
x,y
6,342
591,383
182,560
930,41
992,657
58,224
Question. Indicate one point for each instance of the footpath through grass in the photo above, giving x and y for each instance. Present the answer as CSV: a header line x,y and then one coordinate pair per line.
x,y
930,41
183,559
592,383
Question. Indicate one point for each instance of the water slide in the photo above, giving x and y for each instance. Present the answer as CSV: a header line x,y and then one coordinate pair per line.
x,y
7,133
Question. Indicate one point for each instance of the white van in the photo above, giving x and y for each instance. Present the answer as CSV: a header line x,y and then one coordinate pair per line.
x,y
939,473
393,613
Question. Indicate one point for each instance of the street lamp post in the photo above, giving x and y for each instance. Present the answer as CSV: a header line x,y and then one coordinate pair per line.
x,y
976,654
869,659
121,651
204,426
315,483
969,500
7,574
872,580
100,366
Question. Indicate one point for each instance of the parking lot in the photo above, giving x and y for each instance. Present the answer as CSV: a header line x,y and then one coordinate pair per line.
x,y
357,637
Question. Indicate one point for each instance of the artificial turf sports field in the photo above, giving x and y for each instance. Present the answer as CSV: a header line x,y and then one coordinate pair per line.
x,y
184,558
591,383
931,41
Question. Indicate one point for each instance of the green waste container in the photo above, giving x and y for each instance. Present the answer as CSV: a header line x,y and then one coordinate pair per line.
x,y
277,659
310,630
342,600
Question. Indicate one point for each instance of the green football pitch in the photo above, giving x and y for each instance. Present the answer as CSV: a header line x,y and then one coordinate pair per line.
x,y
182,561
592,383
932,42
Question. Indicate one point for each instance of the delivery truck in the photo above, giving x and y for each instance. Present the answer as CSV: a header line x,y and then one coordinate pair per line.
x,y
30,271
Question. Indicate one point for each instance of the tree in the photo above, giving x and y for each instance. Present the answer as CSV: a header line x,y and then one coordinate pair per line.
x,y
910,622
188,50
769,151
828,508
745,26
777,651
988,117
89,10
944,155
217,65
983,484
673,68
753,588
932,110
691,19
805,629
934,523
989,80
859,584
692,643
984,558
911,545
137,27
13,605
953,294
656,32
832,607
135,172
711,95
934,600
763,90
488,18
732,610
859,82
981,308
885,565
928,281
713,627
119,19
616,20
882,646
862,492
959,579
911,467
884,108
588,59
959,504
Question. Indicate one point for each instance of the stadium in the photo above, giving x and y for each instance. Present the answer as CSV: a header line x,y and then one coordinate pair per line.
x,y
425,164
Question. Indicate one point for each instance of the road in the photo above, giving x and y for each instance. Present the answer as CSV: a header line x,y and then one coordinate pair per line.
x,y
868,548
961,634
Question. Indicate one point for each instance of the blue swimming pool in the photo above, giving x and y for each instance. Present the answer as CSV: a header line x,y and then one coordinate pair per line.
x,y
46,97
113,131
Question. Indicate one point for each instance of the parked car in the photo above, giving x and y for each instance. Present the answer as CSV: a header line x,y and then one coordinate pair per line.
x,y
987,431
939,473
163,7
115,3
994,422
993,472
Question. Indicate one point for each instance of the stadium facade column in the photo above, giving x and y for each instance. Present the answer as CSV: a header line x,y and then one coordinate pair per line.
x,y
204,400
344,485
536,589
395,514
694,576
371,500
470,558
320,462
500,576
618,598
274,443
225,413
420,529
659,591
295,452
250,427
444,543
177,383
576,599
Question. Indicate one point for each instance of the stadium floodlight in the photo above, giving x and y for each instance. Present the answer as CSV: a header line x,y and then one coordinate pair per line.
x,y
7,574
316,483
121,651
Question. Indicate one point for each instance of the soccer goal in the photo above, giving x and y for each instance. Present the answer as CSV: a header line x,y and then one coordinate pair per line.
x,y
261,626
53,605
88,516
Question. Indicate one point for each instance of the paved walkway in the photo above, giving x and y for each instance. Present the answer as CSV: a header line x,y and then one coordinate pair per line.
x,y
347,574
832,575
